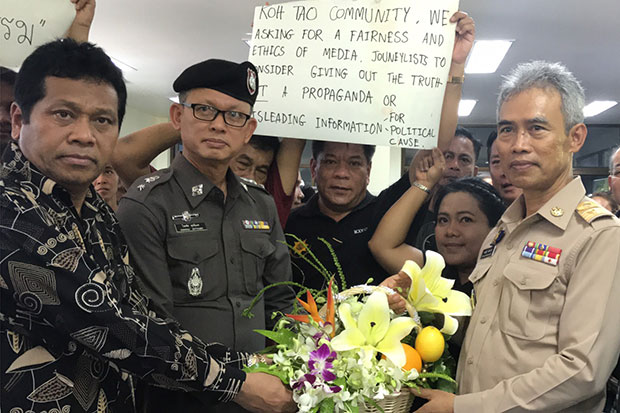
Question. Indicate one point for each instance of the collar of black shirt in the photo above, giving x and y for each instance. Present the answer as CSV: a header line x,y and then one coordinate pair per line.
x,y
311,208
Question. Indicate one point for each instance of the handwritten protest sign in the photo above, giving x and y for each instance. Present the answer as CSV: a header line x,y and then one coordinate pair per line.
x,y
361,71
26,24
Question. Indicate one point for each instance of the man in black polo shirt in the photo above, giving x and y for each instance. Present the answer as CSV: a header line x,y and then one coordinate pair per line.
x,y
343,212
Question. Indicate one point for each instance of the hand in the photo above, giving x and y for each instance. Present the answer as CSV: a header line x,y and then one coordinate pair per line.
x,y
264,393
400,283
429,167
465,34
438,401
84,15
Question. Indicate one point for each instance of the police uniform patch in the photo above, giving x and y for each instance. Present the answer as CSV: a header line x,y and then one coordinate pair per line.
x,y
541,252
590,210
194,284
255,225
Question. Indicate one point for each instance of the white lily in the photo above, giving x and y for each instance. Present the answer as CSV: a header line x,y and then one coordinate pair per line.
x,y
373,329
432,293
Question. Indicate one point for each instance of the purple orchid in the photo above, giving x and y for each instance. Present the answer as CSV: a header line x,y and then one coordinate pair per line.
x,y
310,378
321,361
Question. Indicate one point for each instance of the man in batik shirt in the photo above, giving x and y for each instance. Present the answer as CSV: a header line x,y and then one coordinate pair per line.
x,y
75,330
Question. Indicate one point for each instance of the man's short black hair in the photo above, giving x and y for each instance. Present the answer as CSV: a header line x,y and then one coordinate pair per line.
x,y
7,76
461,131
319,146
265,143
66,58
490,140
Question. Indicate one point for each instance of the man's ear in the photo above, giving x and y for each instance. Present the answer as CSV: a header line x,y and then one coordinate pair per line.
x,y
176,112
368,168
577,137
17,120
476,170
313,166
251,127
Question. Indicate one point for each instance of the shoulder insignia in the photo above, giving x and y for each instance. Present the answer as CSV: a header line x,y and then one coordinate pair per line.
x,y
142,186
590,210
250,183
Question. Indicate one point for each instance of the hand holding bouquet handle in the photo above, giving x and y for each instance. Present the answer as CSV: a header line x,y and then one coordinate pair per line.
x,y
264,393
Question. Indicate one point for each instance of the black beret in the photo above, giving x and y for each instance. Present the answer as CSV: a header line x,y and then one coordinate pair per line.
x,y
238,80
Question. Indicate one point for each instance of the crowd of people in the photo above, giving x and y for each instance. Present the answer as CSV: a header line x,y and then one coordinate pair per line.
x,y
124,302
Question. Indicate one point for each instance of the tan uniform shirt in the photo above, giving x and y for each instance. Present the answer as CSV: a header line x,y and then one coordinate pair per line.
x,y
544,337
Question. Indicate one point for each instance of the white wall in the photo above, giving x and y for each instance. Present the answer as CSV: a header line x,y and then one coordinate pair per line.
x,y
135,120
385,168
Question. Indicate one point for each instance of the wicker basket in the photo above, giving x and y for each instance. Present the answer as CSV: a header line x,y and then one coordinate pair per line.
x,y
394,403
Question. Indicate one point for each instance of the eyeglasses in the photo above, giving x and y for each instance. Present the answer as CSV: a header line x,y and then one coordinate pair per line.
x,y
209,113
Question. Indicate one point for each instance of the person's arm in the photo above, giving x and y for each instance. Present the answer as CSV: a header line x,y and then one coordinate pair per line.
x,y
463,41
134,152
84,15
388,242
288,159
277,269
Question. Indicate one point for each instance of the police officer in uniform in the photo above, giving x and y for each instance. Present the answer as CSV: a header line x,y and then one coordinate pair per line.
x,y
203,241
544,335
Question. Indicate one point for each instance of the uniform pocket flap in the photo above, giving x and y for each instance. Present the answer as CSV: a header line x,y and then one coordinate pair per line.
x,y
191,248
526,278
479,271
261,247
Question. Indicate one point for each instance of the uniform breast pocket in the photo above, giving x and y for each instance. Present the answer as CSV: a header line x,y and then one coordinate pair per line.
x,y
191,266
527,300
256,250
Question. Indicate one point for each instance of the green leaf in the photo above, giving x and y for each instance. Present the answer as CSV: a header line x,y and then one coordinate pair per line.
x,y
328,405
264,368
282,336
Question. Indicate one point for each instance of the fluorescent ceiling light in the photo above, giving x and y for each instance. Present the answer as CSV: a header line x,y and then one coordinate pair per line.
x,y
466,106
175,99
123,66
246,41
598,106
487,55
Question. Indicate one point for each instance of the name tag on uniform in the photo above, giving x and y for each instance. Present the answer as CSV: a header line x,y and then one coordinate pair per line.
x,y
190,227
255,225
541,252
488,252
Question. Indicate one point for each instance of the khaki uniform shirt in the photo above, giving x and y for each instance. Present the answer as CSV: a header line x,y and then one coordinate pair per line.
x,y
204,258
544,337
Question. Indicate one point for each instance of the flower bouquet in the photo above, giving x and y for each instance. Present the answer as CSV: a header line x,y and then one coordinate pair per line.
x,y
351,354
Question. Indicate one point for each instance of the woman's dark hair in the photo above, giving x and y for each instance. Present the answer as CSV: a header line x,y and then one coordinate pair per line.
x,y
489,200
65,58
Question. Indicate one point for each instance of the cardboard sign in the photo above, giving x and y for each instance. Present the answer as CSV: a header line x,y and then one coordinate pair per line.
x,y
361,71
27,24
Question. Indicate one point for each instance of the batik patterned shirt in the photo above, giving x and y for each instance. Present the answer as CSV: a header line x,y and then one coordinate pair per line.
x,y
75,330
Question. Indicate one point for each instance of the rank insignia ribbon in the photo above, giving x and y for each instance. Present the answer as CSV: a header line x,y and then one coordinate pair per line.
x,y
253,224
541,252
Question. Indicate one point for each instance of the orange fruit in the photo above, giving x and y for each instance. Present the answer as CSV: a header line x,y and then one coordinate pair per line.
x,y
414,361
430,344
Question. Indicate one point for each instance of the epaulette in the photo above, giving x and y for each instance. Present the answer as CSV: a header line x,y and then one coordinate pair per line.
x,y
590,211
142,186
250,183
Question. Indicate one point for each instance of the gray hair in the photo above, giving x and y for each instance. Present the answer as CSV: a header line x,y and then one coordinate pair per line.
x,y
614,152
545,75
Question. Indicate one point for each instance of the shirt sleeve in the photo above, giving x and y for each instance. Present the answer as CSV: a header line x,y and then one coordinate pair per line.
x,y
74,299
588,341
145,236
273,185
278,269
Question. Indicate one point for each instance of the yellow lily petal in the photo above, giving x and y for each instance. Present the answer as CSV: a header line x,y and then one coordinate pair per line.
x,y
348,339
457,303
390,345
374,319
434,265
344,310
450,325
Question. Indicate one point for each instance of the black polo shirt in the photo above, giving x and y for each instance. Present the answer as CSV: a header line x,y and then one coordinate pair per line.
x,y
349,238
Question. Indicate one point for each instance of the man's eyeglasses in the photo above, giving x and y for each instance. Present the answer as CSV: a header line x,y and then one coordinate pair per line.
x,y
209,113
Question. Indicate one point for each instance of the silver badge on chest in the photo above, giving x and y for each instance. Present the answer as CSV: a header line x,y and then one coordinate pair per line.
x,y
194,284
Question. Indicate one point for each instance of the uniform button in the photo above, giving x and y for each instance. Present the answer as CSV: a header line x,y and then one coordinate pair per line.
x,y
524,281
232,260
238,304
483,320
495,283
470,361
509,245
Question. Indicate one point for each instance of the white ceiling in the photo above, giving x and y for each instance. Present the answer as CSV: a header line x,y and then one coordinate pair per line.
x,y
162,37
